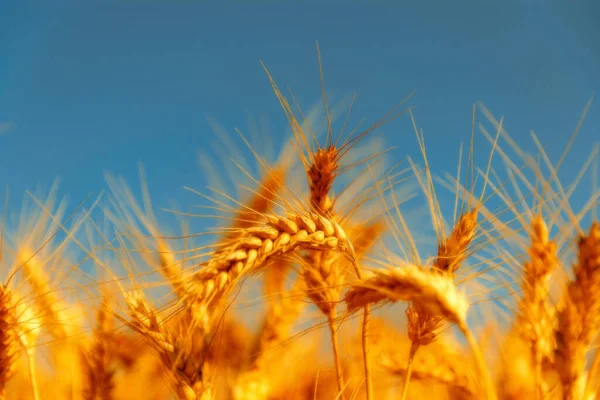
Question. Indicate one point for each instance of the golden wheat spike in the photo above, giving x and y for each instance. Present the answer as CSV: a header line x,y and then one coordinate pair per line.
x,y
434,292
579,319
187,371
8,338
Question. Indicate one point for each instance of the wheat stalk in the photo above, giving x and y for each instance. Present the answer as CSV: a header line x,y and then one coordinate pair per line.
x,y
322,271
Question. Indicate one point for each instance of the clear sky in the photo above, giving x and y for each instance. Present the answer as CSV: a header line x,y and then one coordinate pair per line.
x,y
92,86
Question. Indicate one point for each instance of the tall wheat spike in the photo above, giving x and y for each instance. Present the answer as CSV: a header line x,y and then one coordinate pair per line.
x,y
579,319
535,319
322,167
8,338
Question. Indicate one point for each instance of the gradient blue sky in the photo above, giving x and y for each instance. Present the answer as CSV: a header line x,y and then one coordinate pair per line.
x,y
101,85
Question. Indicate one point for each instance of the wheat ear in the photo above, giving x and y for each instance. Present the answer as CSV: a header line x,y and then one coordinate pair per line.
x,y
535,319
254,249
452,252
433,292
436,293
323,273
579,319
189,377
8,337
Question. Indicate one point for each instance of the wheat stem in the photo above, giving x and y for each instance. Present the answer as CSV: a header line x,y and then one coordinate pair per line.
x,y
365,350
409,366
32,378
336,355
365,335
490,392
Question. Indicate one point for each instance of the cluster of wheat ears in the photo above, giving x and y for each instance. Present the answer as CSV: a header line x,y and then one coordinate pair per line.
x,y
104,304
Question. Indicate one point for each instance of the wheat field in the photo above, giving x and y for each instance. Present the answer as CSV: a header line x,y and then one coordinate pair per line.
x,y
313,276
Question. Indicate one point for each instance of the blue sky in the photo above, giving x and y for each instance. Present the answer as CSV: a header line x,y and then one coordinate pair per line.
x,y
90,86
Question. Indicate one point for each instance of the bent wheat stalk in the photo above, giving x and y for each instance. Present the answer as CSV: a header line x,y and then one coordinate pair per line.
x,y
254,249
435,293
